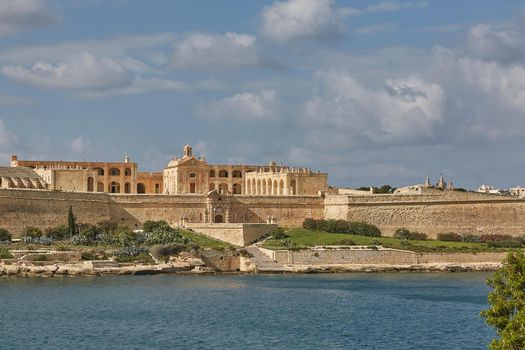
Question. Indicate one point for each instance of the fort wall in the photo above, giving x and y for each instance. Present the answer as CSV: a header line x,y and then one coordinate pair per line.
x,y
237,234
433,213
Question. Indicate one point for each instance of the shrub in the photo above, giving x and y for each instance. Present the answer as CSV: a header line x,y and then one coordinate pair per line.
x,y
150,225
364,229
278,233
403,233
5,236
495,237
449,237
341,226
32,232
165,250
165,235
470,238
57,233
328,226
375,241
107,226
37,240
287,243
5,253
509,243
309,224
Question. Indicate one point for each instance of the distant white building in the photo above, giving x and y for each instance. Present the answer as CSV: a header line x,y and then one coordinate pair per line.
x,y
517,191
489,189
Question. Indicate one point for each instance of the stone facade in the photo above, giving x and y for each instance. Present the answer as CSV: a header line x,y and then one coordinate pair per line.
x,y
193,175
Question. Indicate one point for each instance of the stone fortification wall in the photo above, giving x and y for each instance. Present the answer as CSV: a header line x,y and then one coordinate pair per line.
x,y
21,208
133,210
287,211
433,212
381,256
238,234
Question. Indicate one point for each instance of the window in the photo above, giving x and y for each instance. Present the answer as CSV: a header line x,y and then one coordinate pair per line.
x,y
157,188
127,172
237,173
193,175
99,171
141,188
114,172
212,173
223,173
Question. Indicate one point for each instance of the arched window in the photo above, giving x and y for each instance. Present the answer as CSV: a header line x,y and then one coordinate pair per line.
x,y
293,187
281,187
275,188
223,173
263,190
100,187
237,189
223,188
127,187
259,187
127,172
212,173
236,173
212,186
141,188
218,219
90,184
270,187
99,171
114,172
114,187
0,182
157,188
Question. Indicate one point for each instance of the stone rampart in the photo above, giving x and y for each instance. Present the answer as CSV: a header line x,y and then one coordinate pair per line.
x,y
43,209
433,213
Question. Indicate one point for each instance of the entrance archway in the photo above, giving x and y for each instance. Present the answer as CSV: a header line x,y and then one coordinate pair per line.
x,y
219,219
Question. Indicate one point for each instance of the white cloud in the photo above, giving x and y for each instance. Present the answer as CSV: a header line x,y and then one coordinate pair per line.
x,y
391,6
302,19
403,111
506,82
488,43
260,105
18,15
139,86
209,51
81,71
78,145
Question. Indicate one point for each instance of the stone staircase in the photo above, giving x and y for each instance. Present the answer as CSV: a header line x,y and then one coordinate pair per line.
x,y
264,263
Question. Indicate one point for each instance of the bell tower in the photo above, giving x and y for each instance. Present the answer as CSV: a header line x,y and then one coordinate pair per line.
x,y
188,152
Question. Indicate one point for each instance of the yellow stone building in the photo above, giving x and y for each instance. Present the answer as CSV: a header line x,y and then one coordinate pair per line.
x,y
187,174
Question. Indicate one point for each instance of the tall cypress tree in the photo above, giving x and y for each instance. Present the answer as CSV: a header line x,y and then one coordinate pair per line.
x,y
71,221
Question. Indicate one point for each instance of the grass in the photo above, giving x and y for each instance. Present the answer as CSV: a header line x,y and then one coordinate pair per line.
x,y
302,238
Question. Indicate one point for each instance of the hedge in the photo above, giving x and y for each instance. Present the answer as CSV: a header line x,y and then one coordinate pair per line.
x,y
342,226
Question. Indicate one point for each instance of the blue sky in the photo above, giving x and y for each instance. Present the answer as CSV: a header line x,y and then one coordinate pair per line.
x,y
372,92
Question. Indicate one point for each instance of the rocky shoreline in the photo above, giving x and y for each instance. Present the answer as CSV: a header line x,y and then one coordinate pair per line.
x,y
88,268
438,267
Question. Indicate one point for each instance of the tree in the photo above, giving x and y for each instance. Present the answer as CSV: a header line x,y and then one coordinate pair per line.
x,y
507,304
71,221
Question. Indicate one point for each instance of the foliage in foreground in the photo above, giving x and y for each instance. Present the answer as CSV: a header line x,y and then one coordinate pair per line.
x,y
507,304
5,253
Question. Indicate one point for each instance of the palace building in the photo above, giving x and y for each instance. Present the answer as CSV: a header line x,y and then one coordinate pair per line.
x,y
187,174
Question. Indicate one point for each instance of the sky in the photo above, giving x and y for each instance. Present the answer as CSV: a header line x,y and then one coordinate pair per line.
x,y
372,92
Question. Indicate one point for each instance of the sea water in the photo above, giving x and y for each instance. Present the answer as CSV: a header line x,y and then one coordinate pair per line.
x,y
430,311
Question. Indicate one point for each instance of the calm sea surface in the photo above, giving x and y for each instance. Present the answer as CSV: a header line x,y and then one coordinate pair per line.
x,y
344,311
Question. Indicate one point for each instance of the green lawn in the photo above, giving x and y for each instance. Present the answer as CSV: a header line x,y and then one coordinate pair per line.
x,y
305,238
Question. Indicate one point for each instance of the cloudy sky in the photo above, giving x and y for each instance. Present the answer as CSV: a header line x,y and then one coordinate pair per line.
x,y
372,92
